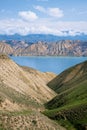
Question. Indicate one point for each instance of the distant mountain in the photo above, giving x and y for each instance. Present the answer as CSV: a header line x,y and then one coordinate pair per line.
x,y
59,48
69,107
42,37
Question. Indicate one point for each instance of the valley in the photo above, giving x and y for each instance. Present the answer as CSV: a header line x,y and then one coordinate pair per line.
x,y
30,99
43,65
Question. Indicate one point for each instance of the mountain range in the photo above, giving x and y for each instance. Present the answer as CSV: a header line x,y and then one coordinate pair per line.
x,y
59,48
43,37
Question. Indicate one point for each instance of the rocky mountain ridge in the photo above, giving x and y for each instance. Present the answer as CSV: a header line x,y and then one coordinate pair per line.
x,y
60,48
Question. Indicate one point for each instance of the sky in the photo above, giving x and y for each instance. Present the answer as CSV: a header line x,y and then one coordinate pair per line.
x,y
57,17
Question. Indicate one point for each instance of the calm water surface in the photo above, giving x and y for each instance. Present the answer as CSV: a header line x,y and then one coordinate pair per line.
x,y
48,64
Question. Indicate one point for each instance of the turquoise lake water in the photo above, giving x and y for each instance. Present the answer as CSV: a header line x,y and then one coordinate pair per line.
x,y
48,64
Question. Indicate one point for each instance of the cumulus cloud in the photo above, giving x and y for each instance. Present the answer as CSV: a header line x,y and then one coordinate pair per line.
x,y
42,26
54,12
28,15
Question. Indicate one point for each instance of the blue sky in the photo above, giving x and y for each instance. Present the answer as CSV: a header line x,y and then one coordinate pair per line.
x,y
43,16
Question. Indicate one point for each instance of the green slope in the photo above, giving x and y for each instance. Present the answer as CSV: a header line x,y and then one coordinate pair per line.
x,y
69,107
69,78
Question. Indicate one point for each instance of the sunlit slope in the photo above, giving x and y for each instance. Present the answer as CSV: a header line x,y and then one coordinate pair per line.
x,y
15,81
22,94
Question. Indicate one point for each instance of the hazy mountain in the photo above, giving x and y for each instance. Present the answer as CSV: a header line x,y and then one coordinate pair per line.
x,y
42,37
69,107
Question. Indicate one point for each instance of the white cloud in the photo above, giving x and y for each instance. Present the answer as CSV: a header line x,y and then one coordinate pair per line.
x,y
28,15
54,12
40,8
42,26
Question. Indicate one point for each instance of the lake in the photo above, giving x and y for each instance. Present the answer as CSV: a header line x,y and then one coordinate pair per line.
x,y
48,64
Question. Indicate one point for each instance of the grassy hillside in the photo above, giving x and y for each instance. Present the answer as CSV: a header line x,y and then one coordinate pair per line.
x,y
69,78
69,107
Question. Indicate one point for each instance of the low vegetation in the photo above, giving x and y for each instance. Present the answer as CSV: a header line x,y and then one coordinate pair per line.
x,y
69,107
23,91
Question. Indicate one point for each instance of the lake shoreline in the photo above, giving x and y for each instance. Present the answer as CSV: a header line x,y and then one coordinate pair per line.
x,y
48,63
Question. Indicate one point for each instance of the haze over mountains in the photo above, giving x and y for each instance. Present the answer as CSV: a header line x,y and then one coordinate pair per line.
x,y
43,37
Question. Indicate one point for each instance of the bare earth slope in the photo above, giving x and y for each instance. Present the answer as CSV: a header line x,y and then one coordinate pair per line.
x,y
22,94
23,82
5,48
28,121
